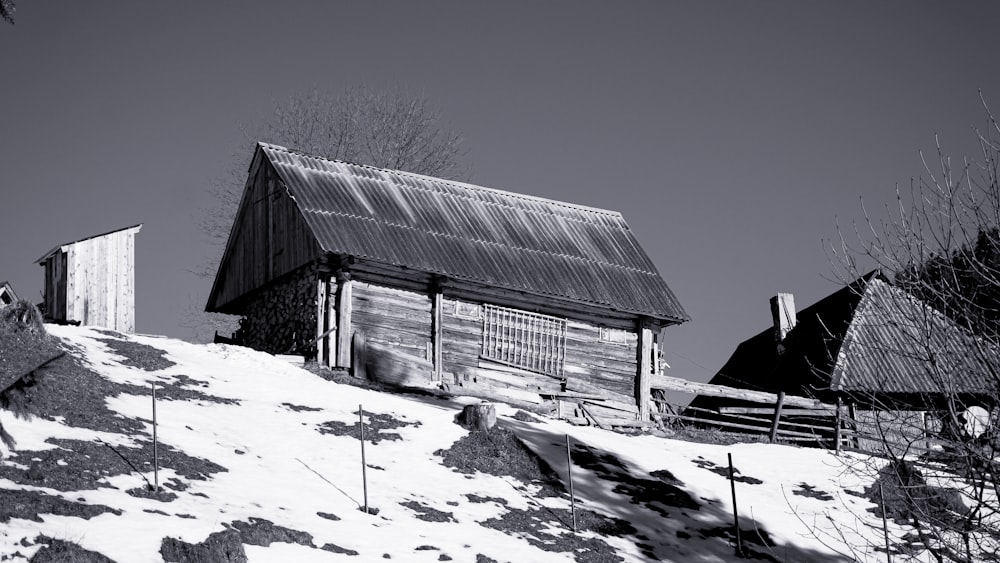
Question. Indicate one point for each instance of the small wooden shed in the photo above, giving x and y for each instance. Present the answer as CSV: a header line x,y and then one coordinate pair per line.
x,y
91,281
7,295
503,294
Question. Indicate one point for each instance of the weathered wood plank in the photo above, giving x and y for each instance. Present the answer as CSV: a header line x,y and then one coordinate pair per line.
x,y
676,384
824,412
345,329
437,332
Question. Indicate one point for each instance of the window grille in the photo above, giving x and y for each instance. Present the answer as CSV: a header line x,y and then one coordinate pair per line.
x,y
526,340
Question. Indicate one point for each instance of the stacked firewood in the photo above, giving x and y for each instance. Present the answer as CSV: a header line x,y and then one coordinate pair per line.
x,y
281,319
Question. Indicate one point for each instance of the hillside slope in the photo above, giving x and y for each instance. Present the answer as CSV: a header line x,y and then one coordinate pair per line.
x,y
256,452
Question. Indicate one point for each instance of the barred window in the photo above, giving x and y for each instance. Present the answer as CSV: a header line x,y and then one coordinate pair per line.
x,y
614,335
526,340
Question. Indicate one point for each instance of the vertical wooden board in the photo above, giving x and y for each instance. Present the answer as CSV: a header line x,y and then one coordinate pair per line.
x,y
72,295
331,316
345,328
130,282
321,320
437,343
645,371
462,338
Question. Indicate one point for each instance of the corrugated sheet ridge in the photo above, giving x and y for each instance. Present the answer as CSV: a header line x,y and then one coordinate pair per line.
x,y
452,183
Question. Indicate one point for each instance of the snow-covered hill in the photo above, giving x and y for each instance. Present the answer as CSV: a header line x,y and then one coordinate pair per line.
x,y
251,444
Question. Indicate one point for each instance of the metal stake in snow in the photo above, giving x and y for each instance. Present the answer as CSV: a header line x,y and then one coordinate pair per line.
x,y
736,514
885,526
156,461
572,495
364,468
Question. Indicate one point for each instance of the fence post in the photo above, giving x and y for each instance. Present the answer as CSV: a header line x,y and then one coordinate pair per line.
x,y
777,415
736,514
836,429
364,468
572,494
156,460
885,526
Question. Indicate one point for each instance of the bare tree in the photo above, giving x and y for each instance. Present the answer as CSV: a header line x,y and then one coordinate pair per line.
x,y
7,9
388,129
936,474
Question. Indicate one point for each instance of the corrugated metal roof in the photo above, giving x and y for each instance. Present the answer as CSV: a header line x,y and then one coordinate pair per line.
x,y
476,234
868,337
898,344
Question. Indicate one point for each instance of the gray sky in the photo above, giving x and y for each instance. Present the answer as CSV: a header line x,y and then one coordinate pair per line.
x,y
731,135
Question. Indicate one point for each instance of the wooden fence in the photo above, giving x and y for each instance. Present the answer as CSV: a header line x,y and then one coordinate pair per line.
x,y
804,420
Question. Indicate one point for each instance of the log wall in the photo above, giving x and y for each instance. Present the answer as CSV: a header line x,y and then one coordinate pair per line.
x,y
397,318
281,318
596,371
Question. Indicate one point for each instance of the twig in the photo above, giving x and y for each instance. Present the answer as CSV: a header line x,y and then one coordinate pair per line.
x,y
125,459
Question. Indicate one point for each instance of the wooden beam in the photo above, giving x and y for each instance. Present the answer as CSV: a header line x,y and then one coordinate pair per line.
x,y
331,322
436,332
685,386
321,320
777,414
784,412
645,368
344,328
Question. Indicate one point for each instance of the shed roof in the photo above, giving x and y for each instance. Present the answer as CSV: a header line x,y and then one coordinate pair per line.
x,y
867,337
62,247
477,234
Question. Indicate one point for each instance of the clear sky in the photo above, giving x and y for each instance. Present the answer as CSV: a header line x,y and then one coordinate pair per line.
x,y
731,135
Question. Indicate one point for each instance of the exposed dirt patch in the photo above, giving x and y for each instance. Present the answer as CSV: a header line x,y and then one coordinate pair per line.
x,y
659,494
427,513
69,389
907,497
85,464
227,545
220,547
334,548
757,543
500,452
328,516
536,527
806,490
146,492
300,408
136,355
262,532
376,429
59,551
724,471
28,505
478,499
182,388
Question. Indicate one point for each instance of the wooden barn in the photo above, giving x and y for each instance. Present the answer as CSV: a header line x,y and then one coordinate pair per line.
x,y
889,360
92,281
423,281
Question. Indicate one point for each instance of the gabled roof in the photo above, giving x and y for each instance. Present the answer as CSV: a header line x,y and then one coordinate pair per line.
x,y
476,234
893,340
64,246
867,337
